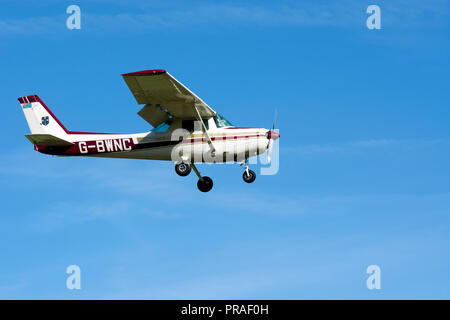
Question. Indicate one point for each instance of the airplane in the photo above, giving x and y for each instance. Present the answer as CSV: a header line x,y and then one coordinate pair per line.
x,y
185,130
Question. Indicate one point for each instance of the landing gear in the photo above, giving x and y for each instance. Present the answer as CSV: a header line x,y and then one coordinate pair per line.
x,y
204,184
249,175
183,169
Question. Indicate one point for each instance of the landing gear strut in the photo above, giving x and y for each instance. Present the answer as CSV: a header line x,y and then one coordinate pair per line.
x,y
249,175
204,184
183,169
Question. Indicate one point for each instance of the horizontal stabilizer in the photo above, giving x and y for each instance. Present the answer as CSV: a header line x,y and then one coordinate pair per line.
x,y
48,140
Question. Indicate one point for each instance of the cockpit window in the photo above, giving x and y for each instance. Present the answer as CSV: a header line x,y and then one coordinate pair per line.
x,y
188,125
221,121
162,127
194,125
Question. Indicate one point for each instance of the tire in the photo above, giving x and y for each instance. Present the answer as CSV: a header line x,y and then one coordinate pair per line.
x,y
205,185
249,178
183,169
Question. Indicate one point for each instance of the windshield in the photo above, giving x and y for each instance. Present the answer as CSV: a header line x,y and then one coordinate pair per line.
x,y
221,121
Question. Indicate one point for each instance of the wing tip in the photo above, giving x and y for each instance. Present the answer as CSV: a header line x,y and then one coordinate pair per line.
x,y
145,72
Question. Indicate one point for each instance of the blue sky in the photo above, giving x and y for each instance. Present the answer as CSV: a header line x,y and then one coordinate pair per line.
x,y
364,152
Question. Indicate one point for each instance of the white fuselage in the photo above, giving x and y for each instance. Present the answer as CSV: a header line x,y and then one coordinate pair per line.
x,y
230,144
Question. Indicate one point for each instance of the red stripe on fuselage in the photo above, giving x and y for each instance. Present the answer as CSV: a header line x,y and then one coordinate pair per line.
x,y
230,137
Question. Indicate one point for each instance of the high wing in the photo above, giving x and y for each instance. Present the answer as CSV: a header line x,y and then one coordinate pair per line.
x,y
165,97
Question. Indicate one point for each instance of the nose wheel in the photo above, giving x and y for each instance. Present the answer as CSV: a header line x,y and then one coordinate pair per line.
x,y
249,175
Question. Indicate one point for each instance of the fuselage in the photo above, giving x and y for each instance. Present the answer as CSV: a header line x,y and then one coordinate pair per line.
x,y
230,144
176,139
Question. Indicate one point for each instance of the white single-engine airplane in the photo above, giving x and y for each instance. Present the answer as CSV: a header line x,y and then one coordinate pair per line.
x,y
186,130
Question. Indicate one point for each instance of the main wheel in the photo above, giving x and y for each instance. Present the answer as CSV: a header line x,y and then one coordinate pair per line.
x,y
205,185
250,177
183,169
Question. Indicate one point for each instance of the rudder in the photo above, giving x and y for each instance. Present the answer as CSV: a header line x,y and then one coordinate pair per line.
x,y
39,118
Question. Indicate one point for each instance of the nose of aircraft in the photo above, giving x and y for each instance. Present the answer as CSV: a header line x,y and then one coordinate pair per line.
x,y
272,135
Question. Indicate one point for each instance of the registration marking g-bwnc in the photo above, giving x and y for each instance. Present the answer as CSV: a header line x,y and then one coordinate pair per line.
x,y
108,145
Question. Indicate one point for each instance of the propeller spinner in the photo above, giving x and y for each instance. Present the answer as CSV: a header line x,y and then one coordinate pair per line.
x,y
272,136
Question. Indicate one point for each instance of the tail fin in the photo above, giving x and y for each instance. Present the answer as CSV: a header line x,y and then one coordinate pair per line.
x,y
40,119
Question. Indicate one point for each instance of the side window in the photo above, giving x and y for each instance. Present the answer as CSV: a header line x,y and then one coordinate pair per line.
x,y
205,121
191,125
188,125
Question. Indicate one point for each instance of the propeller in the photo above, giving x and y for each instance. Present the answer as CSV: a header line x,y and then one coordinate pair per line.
x,y
272,136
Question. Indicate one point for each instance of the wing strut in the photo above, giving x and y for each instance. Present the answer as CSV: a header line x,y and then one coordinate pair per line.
x,y
205,131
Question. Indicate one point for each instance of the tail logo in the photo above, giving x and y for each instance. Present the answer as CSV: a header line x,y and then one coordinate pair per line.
x,y
44,121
